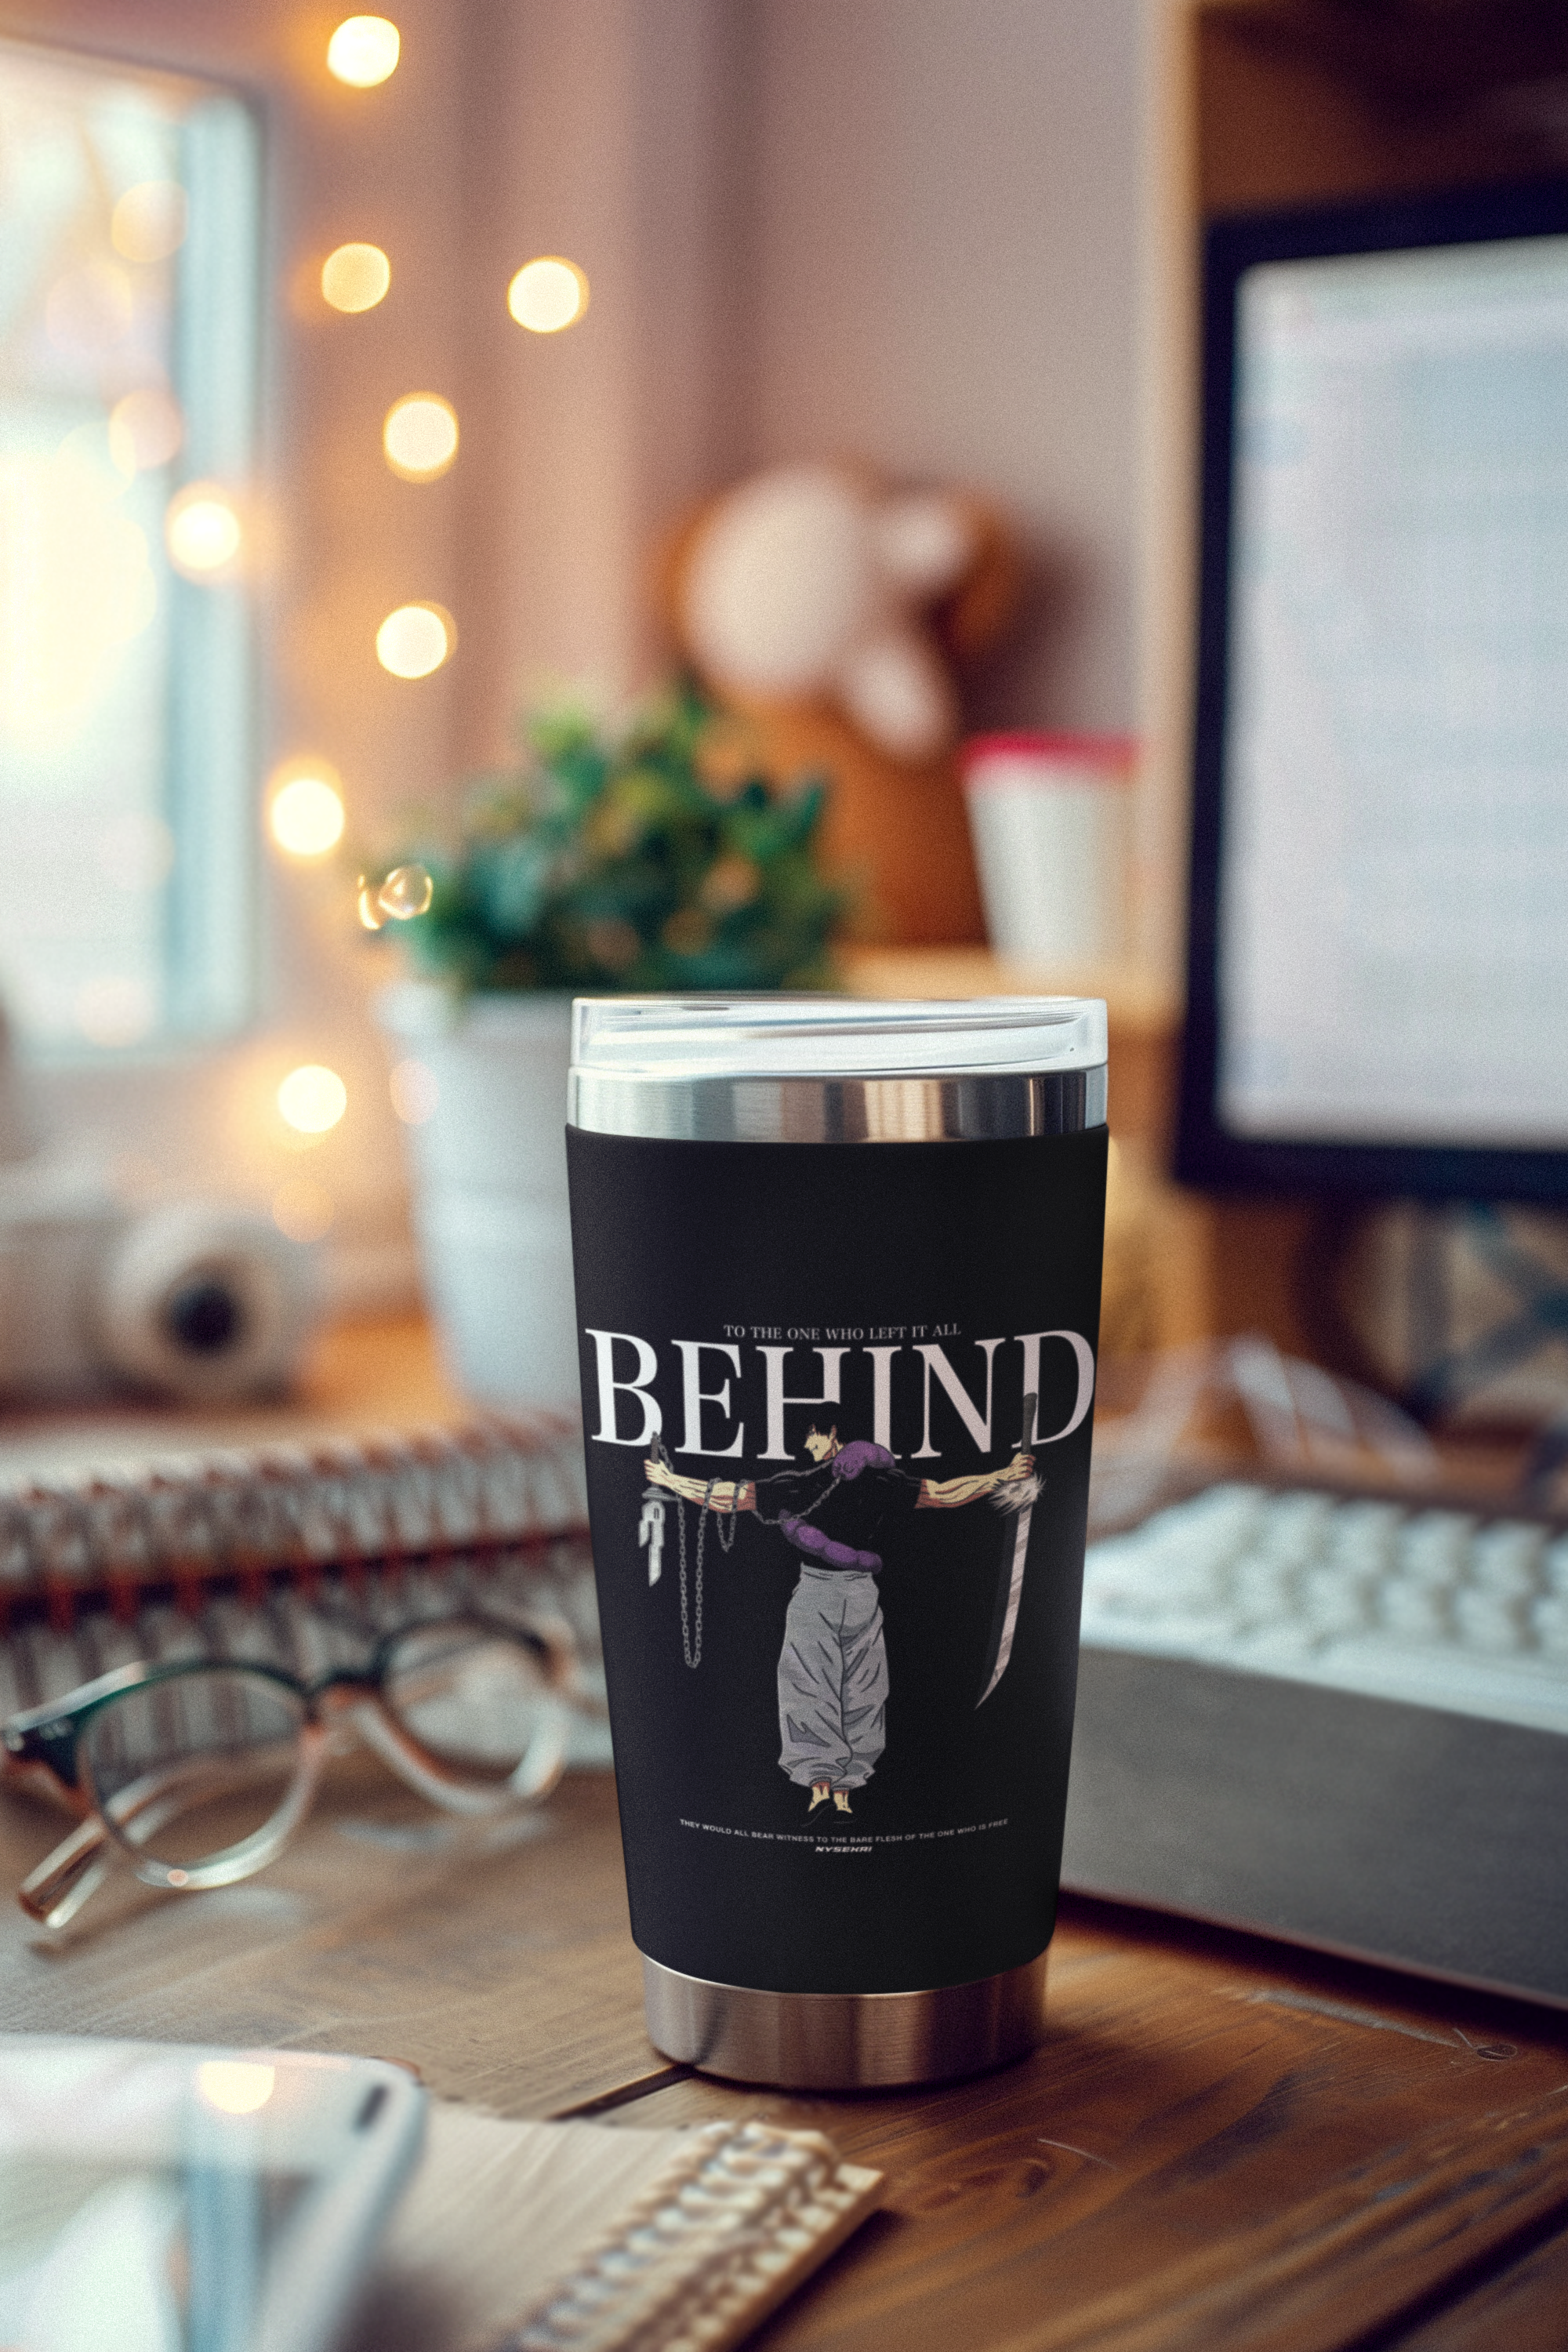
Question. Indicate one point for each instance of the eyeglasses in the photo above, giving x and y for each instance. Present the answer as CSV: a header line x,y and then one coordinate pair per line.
x,y
198,1773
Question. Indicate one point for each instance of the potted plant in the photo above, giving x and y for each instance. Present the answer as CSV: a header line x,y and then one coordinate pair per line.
x,y
648,858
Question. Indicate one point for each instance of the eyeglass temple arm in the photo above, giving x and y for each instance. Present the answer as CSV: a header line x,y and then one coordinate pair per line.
x,y
56,1891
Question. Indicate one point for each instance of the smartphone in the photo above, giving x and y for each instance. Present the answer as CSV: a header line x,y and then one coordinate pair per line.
x,y
158,2198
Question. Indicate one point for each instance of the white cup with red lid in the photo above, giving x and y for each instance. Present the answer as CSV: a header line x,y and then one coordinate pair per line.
x,y
1051,819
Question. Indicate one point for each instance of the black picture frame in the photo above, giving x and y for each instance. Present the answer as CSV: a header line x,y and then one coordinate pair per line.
x,y
1207,1154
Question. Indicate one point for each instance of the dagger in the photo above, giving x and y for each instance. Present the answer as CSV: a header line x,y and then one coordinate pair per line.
x,y
650,1526
650,1530
1020,1550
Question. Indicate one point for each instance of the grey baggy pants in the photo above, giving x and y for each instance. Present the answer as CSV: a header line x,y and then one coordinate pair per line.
x,y
833,1679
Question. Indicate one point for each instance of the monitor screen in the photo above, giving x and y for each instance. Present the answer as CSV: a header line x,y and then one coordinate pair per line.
x,y
1379,931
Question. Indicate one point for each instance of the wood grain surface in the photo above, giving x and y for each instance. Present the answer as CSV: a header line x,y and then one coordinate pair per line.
x,y
1222,2142
1521,2306
504,1972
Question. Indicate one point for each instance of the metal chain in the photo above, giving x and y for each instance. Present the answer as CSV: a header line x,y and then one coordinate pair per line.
x,y
685,1623
693,1656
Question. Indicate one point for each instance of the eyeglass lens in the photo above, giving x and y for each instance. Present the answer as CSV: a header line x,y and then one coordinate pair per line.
x,y
191,1767
471,1697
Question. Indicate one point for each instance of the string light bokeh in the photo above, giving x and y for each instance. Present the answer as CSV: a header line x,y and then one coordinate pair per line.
x,y
548,294
305,813
202,530
363,51
419,437
416,639
407,891
313,1099
355,277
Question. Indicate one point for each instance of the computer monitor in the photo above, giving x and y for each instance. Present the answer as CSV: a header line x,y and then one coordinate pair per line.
x,y
1378,930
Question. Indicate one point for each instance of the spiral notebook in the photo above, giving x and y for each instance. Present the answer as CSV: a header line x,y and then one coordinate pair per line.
x,y
539,2237
291,1553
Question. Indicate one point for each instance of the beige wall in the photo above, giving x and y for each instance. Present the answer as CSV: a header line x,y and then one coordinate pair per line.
x,y
944,279
607,130
906,230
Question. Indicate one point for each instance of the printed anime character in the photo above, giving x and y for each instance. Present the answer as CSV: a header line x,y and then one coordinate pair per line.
x,y
838,1515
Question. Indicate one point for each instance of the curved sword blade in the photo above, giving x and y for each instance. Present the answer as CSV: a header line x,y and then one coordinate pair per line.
x,y
1015,1581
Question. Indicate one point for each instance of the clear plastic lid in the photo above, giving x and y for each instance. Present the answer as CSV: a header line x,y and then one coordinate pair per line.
x,y
680,1038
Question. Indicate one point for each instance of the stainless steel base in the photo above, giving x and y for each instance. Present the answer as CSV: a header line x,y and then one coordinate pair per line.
x,y
845,2041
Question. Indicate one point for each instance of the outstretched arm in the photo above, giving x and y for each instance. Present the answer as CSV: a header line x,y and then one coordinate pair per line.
x,y
952,1494
720,1494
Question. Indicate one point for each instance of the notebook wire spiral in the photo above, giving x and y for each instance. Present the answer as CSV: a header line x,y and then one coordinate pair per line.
x,y
291,1555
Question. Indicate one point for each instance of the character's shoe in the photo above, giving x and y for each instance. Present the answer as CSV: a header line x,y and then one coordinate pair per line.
x,y
820,1793
841,1799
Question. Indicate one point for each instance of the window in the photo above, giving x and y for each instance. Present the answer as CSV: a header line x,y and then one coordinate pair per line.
x,y
129,304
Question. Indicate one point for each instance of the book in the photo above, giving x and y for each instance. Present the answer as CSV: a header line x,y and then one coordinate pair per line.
x,y
537,2237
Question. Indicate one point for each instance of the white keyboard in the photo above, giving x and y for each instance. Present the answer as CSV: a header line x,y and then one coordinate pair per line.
x,y
1434,1607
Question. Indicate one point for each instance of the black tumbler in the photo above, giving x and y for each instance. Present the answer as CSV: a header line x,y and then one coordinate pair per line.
x,y
837,1268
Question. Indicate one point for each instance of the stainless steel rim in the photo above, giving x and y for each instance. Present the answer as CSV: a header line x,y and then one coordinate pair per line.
x,y
976,1107
845,2041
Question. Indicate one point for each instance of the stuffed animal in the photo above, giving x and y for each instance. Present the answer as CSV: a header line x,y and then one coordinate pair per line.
x,y
826,609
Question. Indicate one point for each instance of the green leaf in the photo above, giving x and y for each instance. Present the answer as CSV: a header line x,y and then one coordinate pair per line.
x,y
585,865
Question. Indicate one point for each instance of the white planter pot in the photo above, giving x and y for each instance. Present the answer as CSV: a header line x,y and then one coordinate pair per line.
x,y
488,1171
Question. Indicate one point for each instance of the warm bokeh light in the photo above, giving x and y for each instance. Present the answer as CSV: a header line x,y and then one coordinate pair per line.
x,y
363,51
305,814
356,277
420,436
401,894
313,1099
406,892
145,430
416,1091
415,640
201,529
547,295
235,2087
148,221
303,1209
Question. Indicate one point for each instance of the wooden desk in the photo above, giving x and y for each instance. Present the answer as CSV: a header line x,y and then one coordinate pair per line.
x,y
1222,2142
